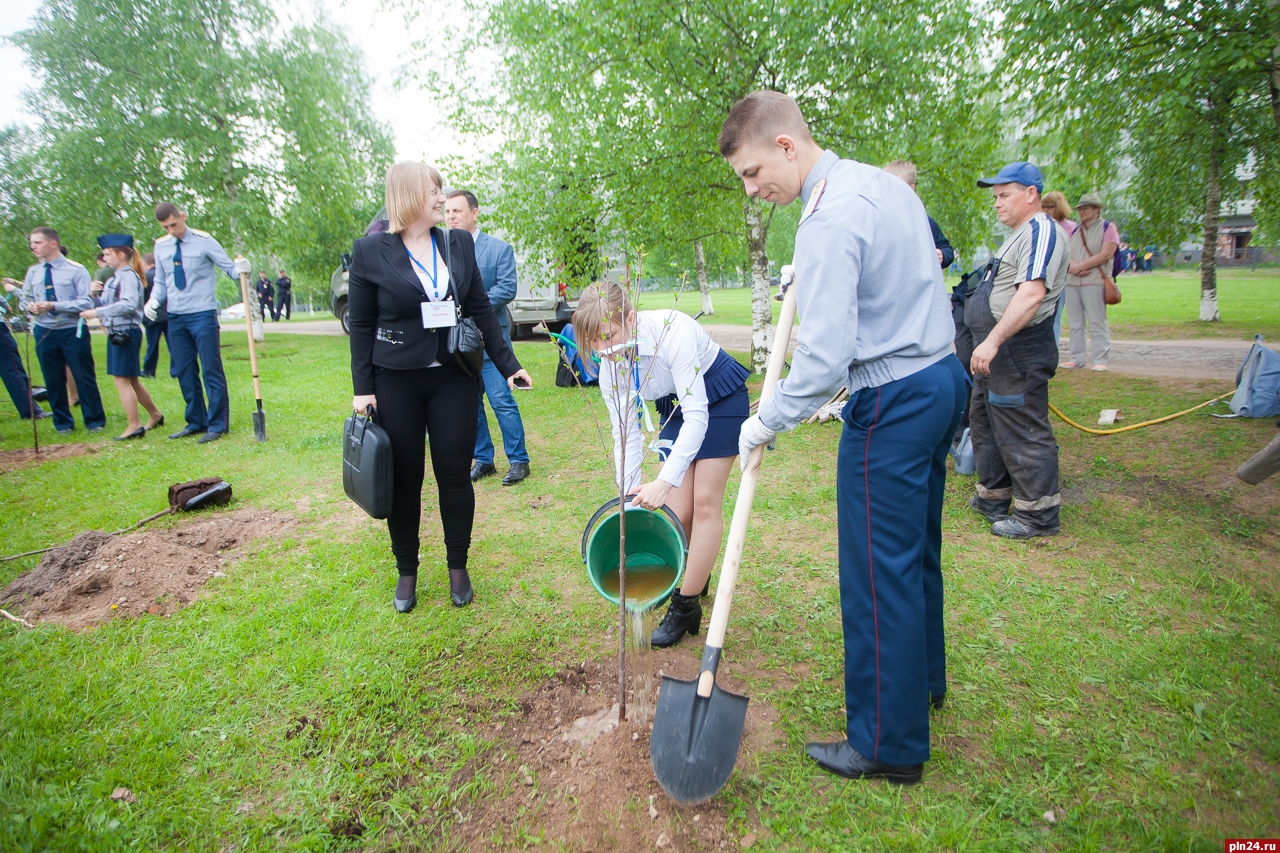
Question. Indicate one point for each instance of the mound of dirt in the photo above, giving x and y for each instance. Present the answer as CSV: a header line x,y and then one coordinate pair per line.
x,y
97,576
13,459
569,772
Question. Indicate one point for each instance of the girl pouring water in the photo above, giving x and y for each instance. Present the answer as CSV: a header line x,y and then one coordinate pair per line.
x,y
700,393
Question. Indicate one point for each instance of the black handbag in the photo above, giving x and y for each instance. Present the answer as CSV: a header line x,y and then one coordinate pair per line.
x,y
465,341
366,464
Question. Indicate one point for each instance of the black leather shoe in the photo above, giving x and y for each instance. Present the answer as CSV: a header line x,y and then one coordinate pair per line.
x,y
684,616
462,599
842,759
210,436
936,703
39,394
137,433
404,605
185,432
41,414
157,424
480,470
519,470
991,514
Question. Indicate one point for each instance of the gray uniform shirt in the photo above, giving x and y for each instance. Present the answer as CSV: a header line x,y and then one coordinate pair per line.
x,y
71,288
120,305
202,257
871,300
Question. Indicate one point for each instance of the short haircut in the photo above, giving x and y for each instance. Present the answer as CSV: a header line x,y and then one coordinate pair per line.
x,y
99,256
149,259
472,201
167,210
904,169
47,233
758,117
1058,201
601,305
409,187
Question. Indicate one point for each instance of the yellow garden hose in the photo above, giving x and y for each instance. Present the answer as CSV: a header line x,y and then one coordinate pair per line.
x,y
1092,431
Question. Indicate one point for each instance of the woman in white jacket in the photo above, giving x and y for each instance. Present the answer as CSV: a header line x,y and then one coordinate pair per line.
x,y
700,393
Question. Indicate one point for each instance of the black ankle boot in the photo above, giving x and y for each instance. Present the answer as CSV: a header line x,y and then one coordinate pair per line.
x,y
684,616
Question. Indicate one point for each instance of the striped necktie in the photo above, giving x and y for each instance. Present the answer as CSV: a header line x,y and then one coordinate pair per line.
x,y
179,274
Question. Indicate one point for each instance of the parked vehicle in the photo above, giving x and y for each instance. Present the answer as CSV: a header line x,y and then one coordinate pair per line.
x,y
527,310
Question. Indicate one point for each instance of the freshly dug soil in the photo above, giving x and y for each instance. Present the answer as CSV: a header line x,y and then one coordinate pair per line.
x,y
11,460
600,795
97,576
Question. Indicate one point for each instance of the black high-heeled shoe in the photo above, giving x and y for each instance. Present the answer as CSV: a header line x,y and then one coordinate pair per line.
x,y
137,433
461,599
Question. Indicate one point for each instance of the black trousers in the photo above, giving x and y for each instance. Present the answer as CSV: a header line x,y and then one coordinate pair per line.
x,y
440,402
284,305
13,373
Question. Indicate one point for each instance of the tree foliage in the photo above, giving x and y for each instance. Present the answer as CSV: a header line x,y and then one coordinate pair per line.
x,y
264,137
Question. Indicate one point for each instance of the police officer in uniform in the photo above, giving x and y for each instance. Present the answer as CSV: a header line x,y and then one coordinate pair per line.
x,y
1015,354
187,262
284,297
55,291
266,296
877,320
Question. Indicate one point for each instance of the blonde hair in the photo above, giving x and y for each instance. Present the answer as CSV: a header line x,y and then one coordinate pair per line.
x,y
1058,202
601,304
408,193
903,169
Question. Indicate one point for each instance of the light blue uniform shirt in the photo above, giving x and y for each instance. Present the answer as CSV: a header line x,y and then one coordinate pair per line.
x,y
872,304
70,286
120,305
201,259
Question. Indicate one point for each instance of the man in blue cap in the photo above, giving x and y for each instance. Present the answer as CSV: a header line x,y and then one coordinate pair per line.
x,y
1010,314
187,264
55,291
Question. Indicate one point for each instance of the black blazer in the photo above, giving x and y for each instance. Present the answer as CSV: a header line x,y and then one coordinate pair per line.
x,y
383,298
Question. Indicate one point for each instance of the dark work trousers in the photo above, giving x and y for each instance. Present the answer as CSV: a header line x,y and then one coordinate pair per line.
x,y
155,332
13,373
59,349
267,309
1014,449
439,402
195,337
284,304
964,351
890,477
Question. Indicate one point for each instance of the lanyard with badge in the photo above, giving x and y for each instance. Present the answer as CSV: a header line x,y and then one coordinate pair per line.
x,y
437,312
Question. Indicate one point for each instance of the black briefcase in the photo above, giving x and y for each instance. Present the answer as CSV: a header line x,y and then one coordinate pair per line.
x,y
366,465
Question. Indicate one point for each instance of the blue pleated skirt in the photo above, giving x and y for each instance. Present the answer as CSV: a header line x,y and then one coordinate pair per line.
x,y
728,406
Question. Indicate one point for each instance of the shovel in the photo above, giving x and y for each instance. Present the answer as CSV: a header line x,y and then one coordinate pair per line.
x,y
259,417
697,726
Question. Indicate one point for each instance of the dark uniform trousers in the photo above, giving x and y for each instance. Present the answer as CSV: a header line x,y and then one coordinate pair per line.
x,y
1015,452
12,372
59,349
891,475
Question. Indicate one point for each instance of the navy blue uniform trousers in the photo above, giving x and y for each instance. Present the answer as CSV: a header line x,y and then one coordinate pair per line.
x,y
57,350
193,336
12,372
891,474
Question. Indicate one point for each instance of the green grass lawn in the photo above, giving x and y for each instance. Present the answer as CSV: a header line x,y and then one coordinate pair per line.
x,y
1160,305
1124,673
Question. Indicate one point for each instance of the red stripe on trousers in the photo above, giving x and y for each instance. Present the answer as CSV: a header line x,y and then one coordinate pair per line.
x,y
871,571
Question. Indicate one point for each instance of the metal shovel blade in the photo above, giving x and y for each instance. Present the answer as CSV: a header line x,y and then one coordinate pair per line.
x,y
260,423
695,740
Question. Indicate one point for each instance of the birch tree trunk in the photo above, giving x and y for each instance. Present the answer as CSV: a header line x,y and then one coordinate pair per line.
x,y
758,263
1209,249
704,286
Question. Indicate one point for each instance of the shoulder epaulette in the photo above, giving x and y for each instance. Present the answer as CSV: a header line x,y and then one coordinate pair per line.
x,y
160,240
76,264
200,233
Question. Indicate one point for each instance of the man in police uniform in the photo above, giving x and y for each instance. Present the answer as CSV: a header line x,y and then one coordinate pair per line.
x,y
1010,315
875,319
284,297
55,291
187,262
266,296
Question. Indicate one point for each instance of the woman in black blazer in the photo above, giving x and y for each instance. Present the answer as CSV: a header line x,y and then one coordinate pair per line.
x,y
402,291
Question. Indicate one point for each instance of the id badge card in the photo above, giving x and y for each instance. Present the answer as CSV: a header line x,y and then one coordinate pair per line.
x,y
439,315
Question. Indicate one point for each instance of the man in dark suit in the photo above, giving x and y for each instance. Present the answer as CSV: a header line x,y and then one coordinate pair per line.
x,y
497,263
266,296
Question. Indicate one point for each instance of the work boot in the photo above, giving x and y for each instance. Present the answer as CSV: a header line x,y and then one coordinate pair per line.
x,y
990,510
684,616
1016,528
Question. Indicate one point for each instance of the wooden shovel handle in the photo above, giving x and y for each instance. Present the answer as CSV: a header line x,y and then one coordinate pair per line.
x,y
747,491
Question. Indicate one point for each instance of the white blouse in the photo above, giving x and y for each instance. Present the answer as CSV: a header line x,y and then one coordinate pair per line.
x,y
672,355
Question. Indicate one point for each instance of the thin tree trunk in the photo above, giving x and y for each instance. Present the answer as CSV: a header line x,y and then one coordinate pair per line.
x,y
1274,76
761,309
1209,251
704,286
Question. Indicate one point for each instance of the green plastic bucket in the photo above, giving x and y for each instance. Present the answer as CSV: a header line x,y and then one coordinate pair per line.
x,y
654,539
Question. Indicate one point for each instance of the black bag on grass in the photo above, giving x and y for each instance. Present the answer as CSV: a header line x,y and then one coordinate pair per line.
x,y
366,464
